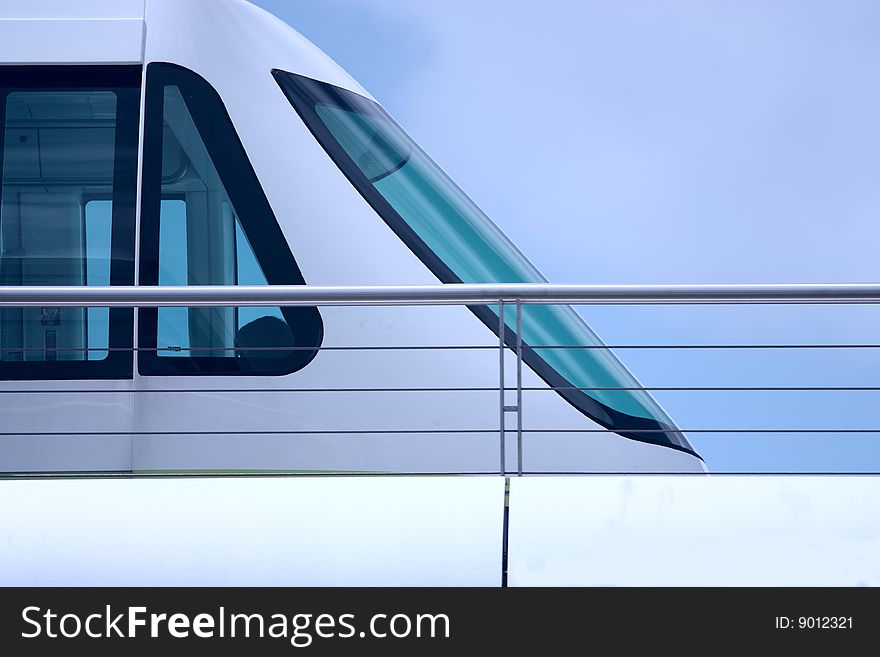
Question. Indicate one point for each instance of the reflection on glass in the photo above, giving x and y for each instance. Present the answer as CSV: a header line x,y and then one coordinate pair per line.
x,y
55,219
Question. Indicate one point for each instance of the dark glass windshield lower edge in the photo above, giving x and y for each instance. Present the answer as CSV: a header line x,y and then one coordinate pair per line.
x,y
303,93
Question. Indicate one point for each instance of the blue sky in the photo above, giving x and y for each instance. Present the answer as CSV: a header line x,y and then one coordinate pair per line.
x,y
672,142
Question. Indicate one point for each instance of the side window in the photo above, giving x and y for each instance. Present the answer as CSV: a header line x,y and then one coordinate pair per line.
x,y
206,221
68,150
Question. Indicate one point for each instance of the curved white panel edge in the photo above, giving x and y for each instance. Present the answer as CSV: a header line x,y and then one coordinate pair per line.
x,y
697,531
302,531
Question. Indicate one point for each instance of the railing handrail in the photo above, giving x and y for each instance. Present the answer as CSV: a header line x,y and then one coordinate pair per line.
x,y
483,294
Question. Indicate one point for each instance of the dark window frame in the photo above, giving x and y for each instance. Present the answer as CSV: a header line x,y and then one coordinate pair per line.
x,y
259,225
125,82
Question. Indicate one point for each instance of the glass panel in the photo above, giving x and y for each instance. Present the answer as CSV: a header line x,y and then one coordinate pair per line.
x,y
249,273
406,186
55,220
98,219
173,325
201,242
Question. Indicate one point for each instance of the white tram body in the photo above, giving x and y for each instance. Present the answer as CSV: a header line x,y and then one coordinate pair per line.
x,y
205,142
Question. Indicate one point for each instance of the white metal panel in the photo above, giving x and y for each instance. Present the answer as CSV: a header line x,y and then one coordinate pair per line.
x,y
294,531
225,38
699,531
68,452
82,431
71,41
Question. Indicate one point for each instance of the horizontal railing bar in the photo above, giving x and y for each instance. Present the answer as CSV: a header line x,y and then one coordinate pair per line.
x,y
713,473
713,388
465,389
855,345
13,476
11,350
486,294
345,432
244,474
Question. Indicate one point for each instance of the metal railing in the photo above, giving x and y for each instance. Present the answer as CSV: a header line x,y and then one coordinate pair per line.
x,y
461,294
501,295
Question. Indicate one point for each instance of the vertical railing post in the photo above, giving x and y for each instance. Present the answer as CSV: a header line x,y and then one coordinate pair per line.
x,y
501,407
519,390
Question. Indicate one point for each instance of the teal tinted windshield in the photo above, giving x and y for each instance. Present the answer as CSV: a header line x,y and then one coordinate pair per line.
x,y
461,245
